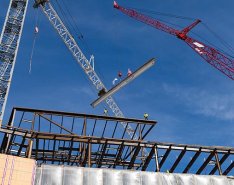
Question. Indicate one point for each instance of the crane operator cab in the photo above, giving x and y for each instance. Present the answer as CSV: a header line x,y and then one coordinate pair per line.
x,y
39,2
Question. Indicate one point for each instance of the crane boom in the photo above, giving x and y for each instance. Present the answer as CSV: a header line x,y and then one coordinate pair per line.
x,y
82,60
209,54
9,44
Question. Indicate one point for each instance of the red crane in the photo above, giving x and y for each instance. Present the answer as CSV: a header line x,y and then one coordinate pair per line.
x,y
211,55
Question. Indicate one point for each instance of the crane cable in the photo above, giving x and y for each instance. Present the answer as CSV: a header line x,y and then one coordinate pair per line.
x,y
36,30
71,24
219,38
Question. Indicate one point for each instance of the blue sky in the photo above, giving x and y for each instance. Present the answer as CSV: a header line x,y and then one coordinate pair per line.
x,y
192,102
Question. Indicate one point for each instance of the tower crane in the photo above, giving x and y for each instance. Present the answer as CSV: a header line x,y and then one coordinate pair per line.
x,y
211,55
9,43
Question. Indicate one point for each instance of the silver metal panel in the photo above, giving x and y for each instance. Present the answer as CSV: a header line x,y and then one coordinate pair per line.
x,y
49,175
73,176
92,176
202,180
131,178
112,177
150,178
231,181
59,175
168,179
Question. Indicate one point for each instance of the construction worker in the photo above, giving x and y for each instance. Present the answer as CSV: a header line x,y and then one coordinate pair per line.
x,y
114,81
36,30
146,116
105,112
129,72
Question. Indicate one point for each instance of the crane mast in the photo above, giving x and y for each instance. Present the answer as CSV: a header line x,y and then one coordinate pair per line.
x,y
209,54
9,44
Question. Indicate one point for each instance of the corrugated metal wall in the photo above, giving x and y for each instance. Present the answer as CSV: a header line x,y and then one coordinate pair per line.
x,y
58,175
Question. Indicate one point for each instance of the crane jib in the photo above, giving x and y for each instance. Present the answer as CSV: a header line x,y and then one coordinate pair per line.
x,y
211,55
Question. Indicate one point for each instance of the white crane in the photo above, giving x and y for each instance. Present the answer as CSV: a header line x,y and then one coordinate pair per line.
x,y
10,38
9,44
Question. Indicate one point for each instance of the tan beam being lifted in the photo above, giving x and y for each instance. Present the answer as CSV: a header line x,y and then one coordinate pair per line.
x,y
125,81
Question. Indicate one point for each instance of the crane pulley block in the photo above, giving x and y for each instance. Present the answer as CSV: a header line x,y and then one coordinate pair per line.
x,y
37,3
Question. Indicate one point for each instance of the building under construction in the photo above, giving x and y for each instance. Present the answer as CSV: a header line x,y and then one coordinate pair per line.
x,y
44,147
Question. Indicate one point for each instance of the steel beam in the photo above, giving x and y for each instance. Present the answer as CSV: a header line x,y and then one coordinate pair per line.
x,y
225,156
196,155
206,162
137,150
177,161
124,82
148,159
164,157
229,168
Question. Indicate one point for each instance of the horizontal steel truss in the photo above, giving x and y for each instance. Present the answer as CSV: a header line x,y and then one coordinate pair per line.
x,y
116,153
77,124
57,122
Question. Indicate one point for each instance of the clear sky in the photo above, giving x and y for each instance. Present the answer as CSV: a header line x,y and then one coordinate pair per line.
x,y
192,102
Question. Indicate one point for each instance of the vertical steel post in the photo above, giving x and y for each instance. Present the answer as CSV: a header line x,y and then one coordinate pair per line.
x,y
156,159
218,164
89,154
29,149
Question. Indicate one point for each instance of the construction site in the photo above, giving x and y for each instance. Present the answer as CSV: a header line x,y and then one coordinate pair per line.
x,y
59,123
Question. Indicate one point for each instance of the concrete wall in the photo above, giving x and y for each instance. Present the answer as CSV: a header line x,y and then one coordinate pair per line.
x,y
16,170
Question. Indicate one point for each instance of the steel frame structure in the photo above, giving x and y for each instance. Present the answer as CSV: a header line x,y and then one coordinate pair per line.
x,y
78,124
9,44
74,124
23,137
